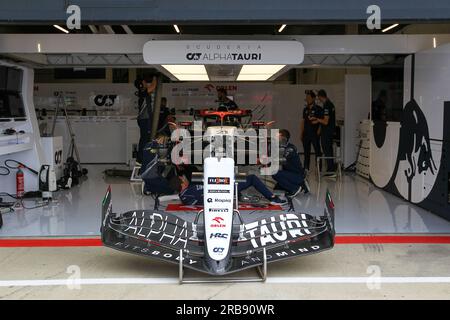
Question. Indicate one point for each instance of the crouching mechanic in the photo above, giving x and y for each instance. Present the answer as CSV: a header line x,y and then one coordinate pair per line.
x,y
158,178
291,177
192,193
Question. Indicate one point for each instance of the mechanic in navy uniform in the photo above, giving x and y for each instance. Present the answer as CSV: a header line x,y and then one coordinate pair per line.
x,y
158,178
146,87
379,107
164,112
291,176
310,127
328,126
225,103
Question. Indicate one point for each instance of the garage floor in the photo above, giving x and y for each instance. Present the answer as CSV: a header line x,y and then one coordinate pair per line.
x,y
360,208
406,271
349,271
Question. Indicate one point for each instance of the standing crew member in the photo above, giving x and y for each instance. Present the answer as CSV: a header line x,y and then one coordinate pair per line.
x,y
164,112
144,119
310,127
379,107
328,125
225,103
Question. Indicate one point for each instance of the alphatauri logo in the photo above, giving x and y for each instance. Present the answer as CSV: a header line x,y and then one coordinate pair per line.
x,y
58,157
193,56
105,100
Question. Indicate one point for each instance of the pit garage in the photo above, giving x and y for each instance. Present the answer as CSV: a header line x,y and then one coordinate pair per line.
x,y
69,135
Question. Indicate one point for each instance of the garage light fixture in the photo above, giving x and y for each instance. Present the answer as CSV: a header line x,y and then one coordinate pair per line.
x,y
258,72
199,72
253,77
188,72
61,28
192,77
282,28
176,28
389,28
185,69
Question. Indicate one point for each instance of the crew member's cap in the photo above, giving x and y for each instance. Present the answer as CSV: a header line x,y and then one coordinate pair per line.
x,y
322,93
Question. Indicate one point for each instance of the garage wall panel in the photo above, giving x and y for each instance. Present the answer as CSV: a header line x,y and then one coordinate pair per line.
x,y
358,88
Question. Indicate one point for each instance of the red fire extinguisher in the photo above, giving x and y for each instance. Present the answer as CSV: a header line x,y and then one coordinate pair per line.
x,y
20,183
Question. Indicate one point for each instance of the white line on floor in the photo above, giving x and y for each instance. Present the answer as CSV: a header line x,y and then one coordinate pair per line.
x,y
68,282
270,280
349,280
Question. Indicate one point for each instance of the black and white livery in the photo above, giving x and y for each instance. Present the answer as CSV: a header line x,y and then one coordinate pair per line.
x,y
218,241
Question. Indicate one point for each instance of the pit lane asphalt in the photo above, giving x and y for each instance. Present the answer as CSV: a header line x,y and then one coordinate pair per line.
x,y
407,271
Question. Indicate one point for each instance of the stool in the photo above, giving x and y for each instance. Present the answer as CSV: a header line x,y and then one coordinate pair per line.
x,y
135,177
338,162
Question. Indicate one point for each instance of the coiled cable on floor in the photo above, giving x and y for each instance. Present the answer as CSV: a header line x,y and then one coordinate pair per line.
x,y
4,171
17,165
2,194
8,204
21,200
46,203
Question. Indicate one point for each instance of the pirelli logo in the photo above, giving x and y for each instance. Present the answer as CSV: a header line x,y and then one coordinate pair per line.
x,y
218,180
218,191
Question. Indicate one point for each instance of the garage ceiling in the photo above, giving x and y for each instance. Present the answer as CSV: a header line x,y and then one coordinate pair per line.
x,y
117,12
207,29
214,72
136,60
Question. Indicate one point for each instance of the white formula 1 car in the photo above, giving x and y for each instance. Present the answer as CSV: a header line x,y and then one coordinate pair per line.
x,y
218,241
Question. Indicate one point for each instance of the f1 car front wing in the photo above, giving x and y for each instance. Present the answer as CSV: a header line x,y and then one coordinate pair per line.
x,y
157,234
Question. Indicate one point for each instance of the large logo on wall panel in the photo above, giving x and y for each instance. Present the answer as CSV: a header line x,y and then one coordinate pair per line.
x,y
58,157
286,52
413,170
105,100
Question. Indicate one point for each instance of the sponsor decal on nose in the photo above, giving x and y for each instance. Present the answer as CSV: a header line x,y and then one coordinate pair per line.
x,y
218,219
218,180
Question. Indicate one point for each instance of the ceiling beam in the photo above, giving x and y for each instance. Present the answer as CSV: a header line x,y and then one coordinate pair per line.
x,y
127,29
34,58
93,28
108,29
133,44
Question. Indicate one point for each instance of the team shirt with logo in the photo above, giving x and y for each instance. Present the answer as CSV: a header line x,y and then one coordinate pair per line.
x,y
314,111
330,111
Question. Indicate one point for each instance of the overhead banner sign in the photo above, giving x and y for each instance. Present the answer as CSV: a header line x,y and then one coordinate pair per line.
x,y
223,52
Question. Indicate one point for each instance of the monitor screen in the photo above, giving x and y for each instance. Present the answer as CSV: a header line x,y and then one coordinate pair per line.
x,y
15,105
14,80
3,77
11,105
4,109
